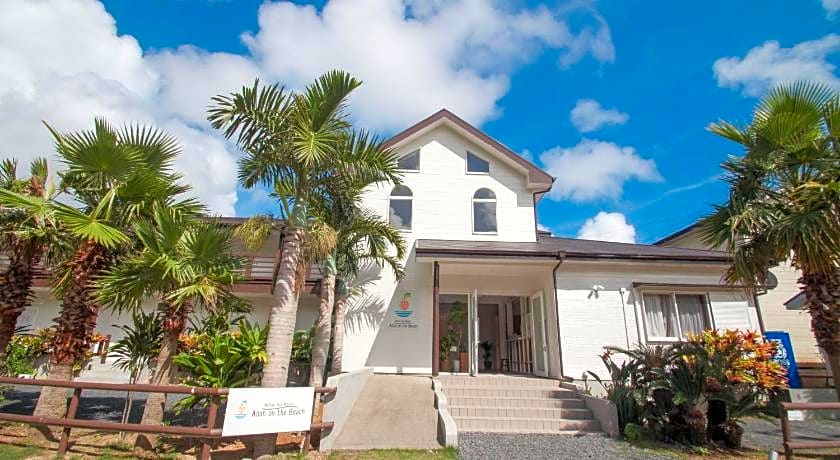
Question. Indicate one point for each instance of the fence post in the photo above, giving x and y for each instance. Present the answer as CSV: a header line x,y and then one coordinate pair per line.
x,y
783,417
212,413
317,417
71,414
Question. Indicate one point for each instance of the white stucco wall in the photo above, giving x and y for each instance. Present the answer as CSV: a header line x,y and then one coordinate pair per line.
x,y
590,321
442,209
45,308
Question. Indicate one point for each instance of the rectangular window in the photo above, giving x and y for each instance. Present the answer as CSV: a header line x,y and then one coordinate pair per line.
x,y
484,217
410,162
672,316
475,164
400,215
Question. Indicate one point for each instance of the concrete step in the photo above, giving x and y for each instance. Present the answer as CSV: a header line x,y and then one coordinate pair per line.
x,y
523,425
520,412
498,380
508,392
478,401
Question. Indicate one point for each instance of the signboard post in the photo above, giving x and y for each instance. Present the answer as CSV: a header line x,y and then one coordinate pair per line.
x,y
268,410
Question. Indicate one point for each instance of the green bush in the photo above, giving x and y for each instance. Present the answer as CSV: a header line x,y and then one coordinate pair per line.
x,y
23,350
227,360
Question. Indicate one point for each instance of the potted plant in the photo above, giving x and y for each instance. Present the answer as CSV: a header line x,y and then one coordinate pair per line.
x,y
446,342
455,327
487,348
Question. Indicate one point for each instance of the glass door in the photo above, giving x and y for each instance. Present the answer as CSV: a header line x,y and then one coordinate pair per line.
x,y
538,334
472,320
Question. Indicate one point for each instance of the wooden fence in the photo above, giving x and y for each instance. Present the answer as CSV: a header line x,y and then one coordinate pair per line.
x,y
788,442
207,434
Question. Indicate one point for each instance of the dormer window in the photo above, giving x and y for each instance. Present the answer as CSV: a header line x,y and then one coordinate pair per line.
x,y
484,211
399,213
410,162
476,164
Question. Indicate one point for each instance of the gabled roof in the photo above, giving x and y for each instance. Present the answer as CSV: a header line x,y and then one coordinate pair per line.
x,y
537,178
566,248
676,234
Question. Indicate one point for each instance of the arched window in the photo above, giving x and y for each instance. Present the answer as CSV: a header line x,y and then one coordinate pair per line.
x,y
484,211
399,214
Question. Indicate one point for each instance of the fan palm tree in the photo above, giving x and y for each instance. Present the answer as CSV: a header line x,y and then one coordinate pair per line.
x,y
182,263
26,240
294,144
115,177
784,201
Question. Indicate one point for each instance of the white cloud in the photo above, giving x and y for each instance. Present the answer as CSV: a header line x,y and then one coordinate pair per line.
x,y
76,68
608,226
770,64
543,228
595,169
588,115
831,7
414,58
418,56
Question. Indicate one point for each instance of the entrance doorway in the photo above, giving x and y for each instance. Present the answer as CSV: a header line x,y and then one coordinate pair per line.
x,y
492,333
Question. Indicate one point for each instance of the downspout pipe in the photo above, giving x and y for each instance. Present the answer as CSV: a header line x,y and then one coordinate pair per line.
x,y
560,256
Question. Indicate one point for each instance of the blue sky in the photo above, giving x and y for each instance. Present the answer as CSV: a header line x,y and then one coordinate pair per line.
x,y
647,78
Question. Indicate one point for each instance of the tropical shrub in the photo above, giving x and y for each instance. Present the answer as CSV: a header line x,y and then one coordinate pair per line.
x,y
231,359
23,350
137,350
694,391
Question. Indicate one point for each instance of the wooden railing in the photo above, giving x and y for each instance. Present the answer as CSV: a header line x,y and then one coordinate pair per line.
x,y
207,434
787,437
258,267
519,356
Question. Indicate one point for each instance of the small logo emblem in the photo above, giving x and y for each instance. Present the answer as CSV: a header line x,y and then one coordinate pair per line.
x,y
405,306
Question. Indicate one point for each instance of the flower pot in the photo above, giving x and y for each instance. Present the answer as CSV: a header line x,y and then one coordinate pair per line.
x,y
456,365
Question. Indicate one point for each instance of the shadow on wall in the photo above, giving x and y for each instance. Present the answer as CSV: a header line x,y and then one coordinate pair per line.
x,y
403,335
364,310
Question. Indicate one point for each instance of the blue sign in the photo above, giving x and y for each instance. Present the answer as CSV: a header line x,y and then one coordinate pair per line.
x,y
784,356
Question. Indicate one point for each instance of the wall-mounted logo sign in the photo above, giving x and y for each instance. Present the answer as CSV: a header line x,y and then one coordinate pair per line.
x,y
268,410
403,313
784,356
404,310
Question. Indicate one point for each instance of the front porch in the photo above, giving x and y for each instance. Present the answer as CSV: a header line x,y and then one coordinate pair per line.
x,y
494,316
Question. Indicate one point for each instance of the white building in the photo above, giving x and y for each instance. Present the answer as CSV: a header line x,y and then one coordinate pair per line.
x,y
546,306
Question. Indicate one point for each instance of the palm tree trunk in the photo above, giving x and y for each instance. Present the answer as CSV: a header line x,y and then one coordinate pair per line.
x,y
74,326
822,298
15,294
338,332
281,324
174,323
321,342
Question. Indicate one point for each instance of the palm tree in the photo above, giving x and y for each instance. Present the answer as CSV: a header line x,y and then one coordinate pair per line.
x,y
362,236
115,177
182,263
784,201
294,144
26,240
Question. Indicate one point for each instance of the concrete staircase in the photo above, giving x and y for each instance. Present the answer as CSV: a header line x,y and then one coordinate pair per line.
x,y
515,404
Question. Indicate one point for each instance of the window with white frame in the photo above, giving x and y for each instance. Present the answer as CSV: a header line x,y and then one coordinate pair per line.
x,y
672,316
476,164
410,162
399,213
484,211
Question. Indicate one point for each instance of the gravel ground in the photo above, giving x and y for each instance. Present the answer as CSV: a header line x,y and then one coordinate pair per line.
x,y
545,446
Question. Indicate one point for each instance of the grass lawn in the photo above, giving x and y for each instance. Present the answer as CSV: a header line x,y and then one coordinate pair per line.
x,y
8,452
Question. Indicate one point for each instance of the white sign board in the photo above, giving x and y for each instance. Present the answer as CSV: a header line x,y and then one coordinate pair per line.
x,y
268,410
